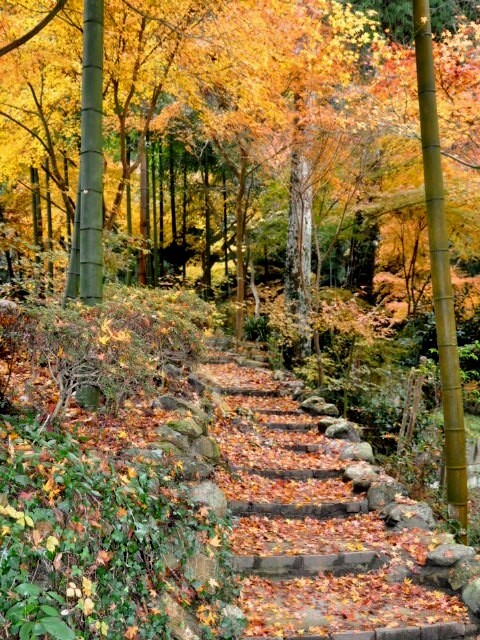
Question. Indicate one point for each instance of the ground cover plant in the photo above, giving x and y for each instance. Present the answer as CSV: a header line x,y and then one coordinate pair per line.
x,y
89,540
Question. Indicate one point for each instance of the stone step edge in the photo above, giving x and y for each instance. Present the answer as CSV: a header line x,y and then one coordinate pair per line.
x,y
290,474
437,631
305,448
217,359
252,393
280,412
289,426
321,511
307,564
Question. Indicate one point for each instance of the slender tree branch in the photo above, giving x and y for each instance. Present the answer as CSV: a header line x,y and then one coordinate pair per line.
x,y
36,29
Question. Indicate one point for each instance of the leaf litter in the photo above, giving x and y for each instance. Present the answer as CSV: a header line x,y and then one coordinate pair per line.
x,y
325,604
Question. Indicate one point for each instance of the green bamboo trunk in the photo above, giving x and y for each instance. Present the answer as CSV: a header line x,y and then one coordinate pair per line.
x,y
91,156
455,450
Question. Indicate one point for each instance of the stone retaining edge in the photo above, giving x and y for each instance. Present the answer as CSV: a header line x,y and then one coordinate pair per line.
x,y
438,631
289,426
323,511
290,474
307,564
279,412
267,393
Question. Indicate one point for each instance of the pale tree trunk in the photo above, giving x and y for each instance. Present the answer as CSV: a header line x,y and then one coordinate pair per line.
x,y
455,447
91,156
298,261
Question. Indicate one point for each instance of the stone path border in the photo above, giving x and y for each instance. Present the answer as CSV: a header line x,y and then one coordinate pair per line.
x,y
310,564
289,426
251,393
439,631
291,474
323,511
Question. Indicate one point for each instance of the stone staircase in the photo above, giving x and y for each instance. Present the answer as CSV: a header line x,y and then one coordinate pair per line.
x,y
313,552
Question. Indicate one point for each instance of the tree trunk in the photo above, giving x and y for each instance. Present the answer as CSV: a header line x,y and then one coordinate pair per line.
x,y
155,265
72,286
91,156
36,219
8,256
225,221
455,447
240,237
207,272
299,249
149,264
142,259
184,217
129,213
68,221
171,160
161,207
49,226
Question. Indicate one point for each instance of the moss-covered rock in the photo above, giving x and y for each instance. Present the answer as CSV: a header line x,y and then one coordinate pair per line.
x,y
207,447
189,427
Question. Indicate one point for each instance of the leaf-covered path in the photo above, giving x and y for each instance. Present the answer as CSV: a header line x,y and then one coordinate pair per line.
x,y
313,561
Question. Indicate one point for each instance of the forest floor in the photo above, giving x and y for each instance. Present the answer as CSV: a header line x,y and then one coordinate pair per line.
x,y
312,561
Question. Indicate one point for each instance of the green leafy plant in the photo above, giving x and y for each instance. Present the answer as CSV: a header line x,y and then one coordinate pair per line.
x,y
86,541
257,328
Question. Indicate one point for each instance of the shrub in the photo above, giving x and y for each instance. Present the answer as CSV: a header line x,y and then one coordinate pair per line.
x,y
117,347
10,339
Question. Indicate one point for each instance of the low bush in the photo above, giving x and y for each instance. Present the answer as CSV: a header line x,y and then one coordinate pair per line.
x,y
10,340
117,347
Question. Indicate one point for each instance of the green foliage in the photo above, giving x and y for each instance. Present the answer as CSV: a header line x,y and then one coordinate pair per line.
x,y
118,346
397,17
86,541
257,329
10,339
419,467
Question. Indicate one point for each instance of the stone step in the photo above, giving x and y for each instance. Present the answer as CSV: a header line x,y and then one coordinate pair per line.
x,y
306,565
305,448
280,412
218,360
437,631
291,474
323,511
246,391
289,426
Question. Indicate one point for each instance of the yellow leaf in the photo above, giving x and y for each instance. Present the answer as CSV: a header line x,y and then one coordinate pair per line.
x,y
29,521
51,543
87,586
5,530
215,541
86,605
104,629
104,339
